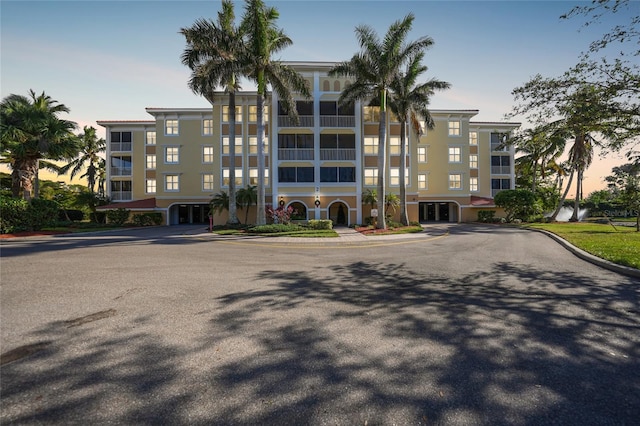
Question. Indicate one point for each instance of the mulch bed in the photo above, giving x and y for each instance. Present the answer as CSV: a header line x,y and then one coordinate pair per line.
x,y
30,234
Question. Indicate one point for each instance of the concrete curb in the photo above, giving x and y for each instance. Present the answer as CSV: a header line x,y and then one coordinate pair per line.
x,y
625,270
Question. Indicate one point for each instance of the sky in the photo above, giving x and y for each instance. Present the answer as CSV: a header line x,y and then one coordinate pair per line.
x,y
109,60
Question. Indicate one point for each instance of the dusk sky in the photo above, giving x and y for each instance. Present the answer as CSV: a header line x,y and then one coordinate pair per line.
x,y
109,60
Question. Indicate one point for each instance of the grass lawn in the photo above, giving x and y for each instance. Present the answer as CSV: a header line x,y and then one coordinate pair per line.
x,y
306,233
619,245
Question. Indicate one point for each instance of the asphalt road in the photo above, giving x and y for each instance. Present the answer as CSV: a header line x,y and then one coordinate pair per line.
x,y
463,325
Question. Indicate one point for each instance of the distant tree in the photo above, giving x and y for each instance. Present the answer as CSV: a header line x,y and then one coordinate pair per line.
x,y
625,180
90,157
517,203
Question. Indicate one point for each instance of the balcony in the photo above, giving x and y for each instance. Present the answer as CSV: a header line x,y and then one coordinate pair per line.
x,y
338,154
120,146
293,154
304,121
120,171
500,170
121,195
499,147
337,121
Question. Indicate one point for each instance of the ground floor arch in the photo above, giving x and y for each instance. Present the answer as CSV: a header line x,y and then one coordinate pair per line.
x,y
338,212
438,211
188,213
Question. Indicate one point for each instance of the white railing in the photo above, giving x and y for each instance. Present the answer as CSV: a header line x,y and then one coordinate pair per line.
x,y
500,170
498,147
121,195
338,154
294,154
304,121
120,171
120,146
337,121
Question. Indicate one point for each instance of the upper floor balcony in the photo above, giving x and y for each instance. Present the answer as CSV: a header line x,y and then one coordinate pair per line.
x,y
337,121
121,195
303,121
338,154
501,170
295,154
120,171
120,146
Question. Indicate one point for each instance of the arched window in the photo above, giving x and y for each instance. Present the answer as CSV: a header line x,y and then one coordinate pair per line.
x,y
326,86
336,86
299,211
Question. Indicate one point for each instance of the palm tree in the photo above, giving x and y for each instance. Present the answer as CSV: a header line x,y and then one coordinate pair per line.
x,y
264,39
410,102
374,68
216,55
391,202
247,197
31,132
541,147
219,203
89,156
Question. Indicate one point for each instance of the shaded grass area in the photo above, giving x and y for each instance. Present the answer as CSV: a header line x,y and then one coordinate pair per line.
x,y
620,245
370,230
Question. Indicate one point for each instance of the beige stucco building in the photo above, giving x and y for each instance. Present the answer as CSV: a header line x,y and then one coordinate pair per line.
x,y
176,161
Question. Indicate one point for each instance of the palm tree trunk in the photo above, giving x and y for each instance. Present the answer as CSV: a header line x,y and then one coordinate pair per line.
x,y
404,219
233,215
381,223
564,196
533,179
261,211
576,205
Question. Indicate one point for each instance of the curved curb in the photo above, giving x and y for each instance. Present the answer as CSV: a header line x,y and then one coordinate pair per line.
x,y
621,269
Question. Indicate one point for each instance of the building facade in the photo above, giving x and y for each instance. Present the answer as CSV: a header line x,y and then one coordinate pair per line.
x,y
175,162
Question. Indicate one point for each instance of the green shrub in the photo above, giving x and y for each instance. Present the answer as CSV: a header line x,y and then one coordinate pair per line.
x,y
70,214
486,216
275,228
12,214
147,219
118,217
518,203
320,224
41,213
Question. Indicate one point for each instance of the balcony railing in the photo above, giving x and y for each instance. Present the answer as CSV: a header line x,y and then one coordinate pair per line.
x,y
120,146
338,154
293,154
500,170
304,121
121,195
120,171
337,121
498,147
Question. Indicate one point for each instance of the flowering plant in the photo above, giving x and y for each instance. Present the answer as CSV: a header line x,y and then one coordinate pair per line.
x,y
281,215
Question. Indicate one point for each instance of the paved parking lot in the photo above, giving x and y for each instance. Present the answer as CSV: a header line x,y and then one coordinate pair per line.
x,y
461,325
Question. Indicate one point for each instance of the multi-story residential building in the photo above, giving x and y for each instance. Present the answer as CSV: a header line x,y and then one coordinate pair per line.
x,y
321,165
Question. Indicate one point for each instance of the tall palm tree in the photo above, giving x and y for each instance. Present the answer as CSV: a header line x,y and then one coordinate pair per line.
x,y
31,132
264,39
374,68
541,147
219,203
247,197
91,149
410,102
217,56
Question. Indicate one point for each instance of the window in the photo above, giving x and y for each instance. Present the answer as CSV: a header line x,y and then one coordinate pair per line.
x,y
253,113
121,141
207,127
500,164
121,165
422,181
120,190
300,141
295,174
394,145
171,127
454,154
225,113
150,186
499,142
225,145
473,138
473,161
498,184
225,177
394,176
304,108
151,161
207,154
371,176
371,114
455,181
207,182
172,183
150,137
371,145
253,145
333,108
473,184
339,141
253,176
337,174
171,155
422,154
454,128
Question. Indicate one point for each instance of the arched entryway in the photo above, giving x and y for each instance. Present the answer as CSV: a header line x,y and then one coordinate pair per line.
x,y
339,213
299,210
